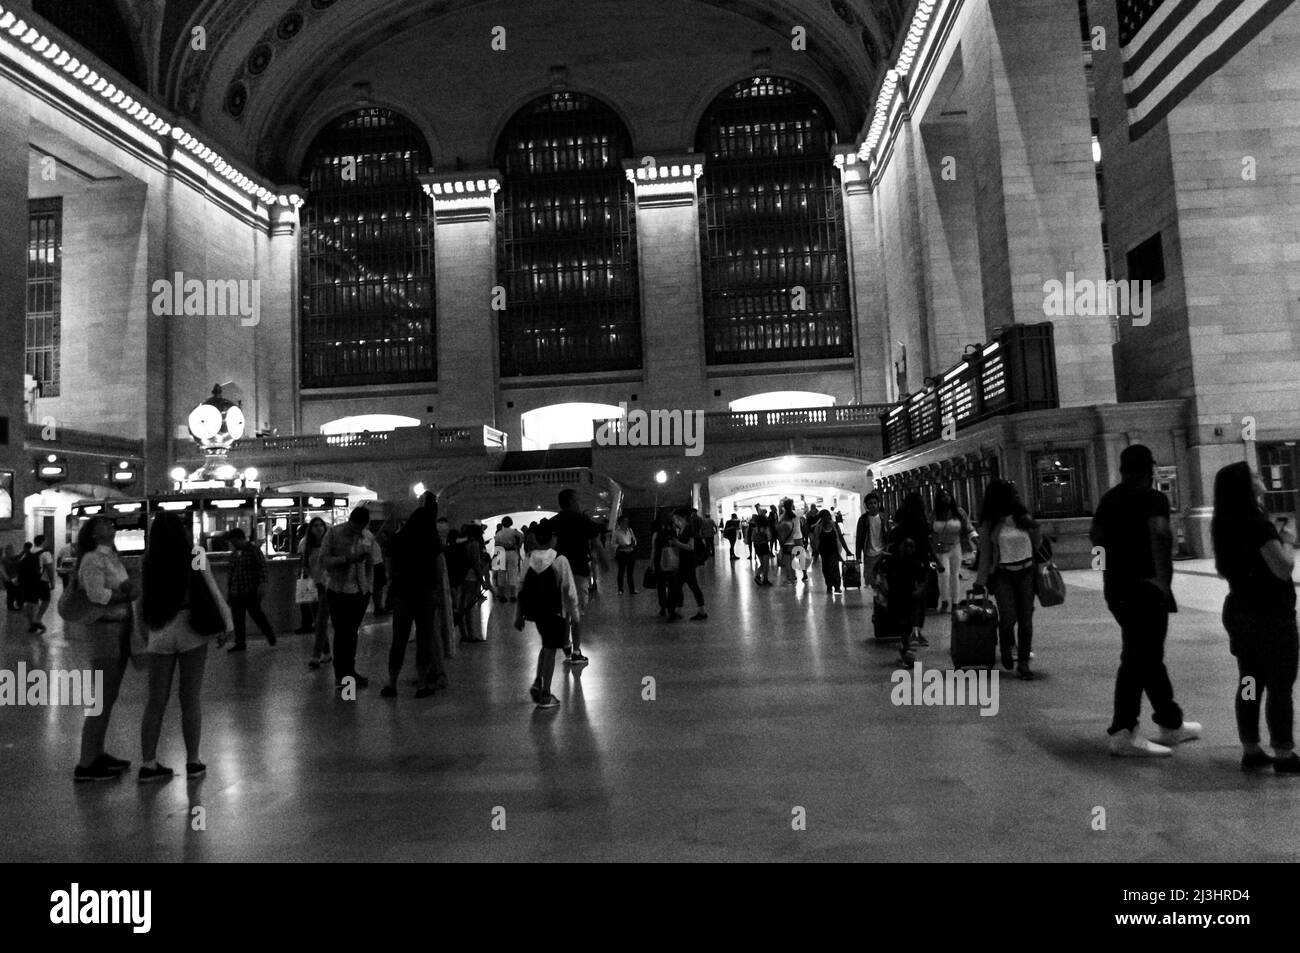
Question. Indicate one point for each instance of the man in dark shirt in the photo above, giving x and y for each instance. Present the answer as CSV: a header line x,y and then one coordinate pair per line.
x,y
574,532
1131,526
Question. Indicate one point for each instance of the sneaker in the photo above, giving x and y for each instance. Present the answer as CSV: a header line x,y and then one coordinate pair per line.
x,y
1024,674
568,650
237,648
1288,765
550,701
578,661
1187,731
195,770
1007,661
1125,744
535,690
1253,762
113,764
699,616
271,640
159,773
96,772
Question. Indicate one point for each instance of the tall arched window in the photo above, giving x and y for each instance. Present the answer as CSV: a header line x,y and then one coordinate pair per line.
x,y
367,280
772,227
567,240
98,27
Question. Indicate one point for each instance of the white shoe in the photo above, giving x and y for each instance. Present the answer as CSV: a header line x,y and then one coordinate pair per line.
x,y
1125,744
1187,731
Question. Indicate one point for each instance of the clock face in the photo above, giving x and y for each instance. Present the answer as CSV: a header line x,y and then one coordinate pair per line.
x,y
235,422
205,421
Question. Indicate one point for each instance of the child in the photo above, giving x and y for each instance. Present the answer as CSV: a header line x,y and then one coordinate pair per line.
x,y
547,598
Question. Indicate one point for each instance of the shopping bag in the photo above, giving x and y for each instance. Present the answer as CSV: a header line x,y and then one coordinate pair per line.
x,y
304,591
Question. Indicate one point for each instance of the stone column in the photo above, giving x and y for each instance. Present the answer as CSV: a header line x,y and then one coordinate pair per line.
x,y
14,123
464,254
1036,192
279,334
672,297
867,301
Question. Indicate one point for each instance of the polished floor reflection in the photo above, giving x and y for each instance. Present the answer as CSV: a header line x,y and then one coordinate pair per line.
x,y
779,701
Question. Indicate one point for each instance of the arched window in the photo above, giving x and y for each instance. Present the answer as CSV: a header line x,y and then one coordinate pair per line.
x,y
367,282
772,227
567,240
98,27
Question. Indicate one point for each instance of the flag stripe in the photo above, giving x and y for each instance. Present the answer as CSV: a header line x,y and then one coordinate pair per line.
x,y
1164,98
1165,20
1187,46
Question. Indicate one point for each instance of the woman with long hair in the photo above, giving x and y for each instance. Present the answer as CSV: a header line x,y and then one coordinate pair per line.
x,y
909,557
666,579
790,533
314,569
169,578
1258,614
760,544
108,586
1009,538
952,530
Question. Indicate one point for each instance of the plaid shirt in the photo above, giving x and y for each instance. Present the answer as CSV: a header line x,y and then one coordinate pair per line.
x,y
247,571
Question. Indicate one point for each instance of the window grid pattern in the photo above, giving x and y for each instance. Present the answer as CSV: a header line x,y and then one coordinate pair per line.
x,y
367,276
772,223
566,241
44,292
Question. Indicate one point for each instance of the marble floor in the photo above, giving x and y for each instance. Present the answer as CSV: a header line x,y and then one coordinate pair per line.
x,y
776,709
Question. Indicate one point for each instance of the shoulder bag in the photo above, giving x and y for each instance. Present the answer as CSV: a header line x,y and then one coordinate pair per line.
x,y
75,606
1049,587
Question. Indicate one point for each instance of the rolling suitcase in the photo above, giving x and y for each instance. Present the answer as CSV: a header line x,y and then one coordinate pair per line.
x,y
851,572
974,640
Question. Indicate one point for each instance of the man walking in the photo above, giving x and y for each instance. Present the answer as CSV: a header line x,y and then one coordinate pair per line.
x,y
869,537
348,557
36,577
1132,528
247,576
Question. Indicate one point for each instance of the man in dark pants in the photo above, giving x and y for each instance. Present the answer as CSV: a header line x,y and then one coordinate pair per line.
x,y
1132,528
346,556
574,533
247,576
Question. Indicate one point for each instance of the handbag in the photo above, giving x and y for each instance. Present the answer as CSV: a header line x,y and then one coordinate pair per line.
x,y
205,616
304,591
1049,587
75,606
669,560
499,560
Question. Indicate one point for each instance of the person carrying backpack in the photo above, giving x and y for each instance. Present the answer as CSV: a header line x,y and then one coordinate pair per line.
x,y
548,598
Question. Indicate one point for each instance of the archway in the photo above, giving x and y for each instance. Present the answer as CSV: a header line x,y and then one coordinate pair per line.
x,y
835,483
563,425
781,400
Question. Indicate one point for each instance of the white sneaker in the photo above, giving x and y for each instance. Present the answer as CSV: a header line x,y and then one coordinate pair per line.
x,y
1125,744
1187,731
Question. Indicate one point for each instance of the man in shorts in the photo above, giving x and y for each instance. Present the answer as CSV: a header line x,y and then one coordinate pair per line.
x,y
548,597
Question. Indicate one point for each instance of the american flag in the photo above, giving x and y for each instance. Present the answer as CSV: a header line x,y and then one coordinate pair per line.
x,y
1171,46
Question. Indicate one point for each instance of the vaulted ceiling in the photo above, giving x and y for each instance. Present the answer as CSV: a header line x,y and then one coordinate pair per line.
x,y
261,63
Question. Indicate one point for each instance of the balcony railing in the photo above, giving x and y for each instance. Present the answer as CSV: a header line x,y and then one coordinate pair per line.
x,y
755,422
404,440
1014,374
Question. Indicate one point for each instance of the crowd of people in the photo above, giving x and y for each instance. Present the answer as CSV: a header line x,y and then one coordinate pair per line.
x,y
910,561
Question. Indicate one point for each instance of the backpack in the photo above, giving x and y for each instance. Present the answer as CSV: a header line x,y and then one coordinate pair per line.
x,y
29,569
539,598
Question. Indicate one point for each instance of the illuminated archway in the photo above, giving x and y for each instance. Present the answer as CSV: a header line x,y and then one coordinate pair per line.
x,y
782,400
560,425
374,423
